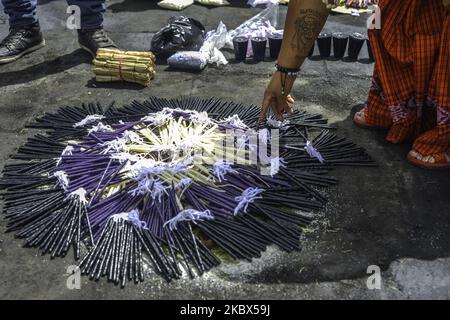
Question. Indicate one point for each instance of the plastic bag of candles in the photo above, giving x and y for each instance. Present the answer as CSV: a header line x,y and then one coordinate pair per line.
x,y
263,24
188,60
131,66
175,4
122,185
183,4
255,3
216,3
209,52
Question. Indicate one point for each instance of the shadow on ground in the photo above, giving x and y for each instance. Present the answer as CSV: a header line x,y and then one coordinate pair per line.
x,y
142,5
44,69
376,216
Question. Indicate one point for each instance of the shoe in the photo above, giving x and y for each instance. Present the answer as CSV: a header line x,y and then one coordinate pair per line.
x,y
360,118
93,39
435,161
20,41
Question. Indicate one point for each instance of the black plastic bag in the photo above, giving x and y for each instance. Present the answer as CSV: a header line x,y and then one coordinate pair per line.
x,y
180,34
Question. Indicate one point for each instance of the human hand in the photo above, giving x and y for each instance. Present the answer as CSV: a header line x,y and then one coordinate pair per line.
x,y
274,98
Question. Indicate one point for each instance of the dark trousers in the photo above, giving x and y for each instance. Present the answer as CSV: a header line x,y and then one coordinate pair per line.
x,y
23,12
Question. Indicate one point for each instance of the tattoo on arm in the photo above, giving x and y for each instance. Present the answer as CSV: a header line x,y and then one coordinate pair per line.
x,y
307,26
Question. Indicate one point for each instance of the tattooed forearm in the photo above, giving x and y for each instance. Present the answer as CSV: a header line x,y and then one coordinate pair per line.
x,y
307,25
304,20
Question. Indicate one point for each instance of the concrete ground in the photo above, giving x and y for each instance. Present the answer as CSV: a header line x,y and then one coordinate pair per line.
x,y
394,216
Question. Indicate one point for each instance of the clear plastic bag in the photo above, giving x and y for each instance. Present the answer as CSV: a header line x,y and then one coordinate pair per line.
x,y
188,60
213,2
215,40
267,17
209,53
262,25
175,4
255,3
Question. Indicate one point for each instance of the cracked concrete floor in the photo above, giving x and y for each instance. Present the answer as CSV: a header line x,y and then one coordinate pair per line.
x,y
395,216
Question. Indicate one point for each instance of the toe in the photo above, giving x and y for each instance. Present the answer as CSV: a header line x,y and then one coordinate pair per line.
x,y
413,153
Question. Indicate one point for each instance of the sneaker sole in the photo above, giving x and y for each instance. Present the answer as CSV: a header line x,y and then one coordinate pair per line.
x,y
88,50
20,55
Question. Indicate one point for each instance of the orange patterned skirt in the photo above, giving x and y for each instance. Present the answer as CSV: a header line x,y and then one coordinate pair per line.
x,y
410,93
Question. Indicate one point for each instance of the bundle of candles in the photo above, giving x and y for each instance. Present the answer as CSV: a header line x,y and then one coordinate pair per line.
x,y
131,66
129,186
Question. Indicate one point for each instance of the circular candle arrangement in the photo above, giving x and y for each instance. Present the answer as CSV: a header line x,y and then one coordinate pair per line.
x,y
152,183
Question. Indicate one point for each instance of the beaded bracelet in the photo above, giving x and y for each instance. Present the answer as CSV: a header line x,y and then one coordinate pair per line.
x,y
292,72
289,71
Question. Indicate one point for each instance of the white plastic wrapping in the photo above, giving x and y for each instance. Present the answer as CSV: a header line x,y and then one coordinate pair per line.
x,y
182,4
255,3
209,53
213,2
188,60
175,4
262,25
215,40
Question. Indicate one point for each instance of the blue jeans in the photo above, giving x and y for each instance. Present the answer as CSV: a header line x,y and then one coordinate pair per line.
x,y
23,12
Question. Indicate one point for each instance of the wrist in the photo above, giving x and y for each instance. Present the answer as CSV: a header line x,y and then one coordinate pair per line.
x,y
285,74
290,60
289,65
292,72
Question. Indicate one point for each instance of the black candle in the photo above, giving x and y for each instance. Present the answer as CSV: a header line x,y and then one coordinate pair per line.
x,y
340,41
369,49
311,52
324,43
240,48
355,45
259,45
275,42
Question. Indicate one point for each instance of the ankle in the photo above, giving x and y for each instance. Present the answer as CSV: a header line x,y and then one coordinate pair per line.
x,y
87,30
34,26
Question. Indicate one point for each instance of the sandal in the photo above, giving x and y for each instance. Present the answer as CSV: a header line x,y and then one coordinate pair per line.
x,y
435,161
360,119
